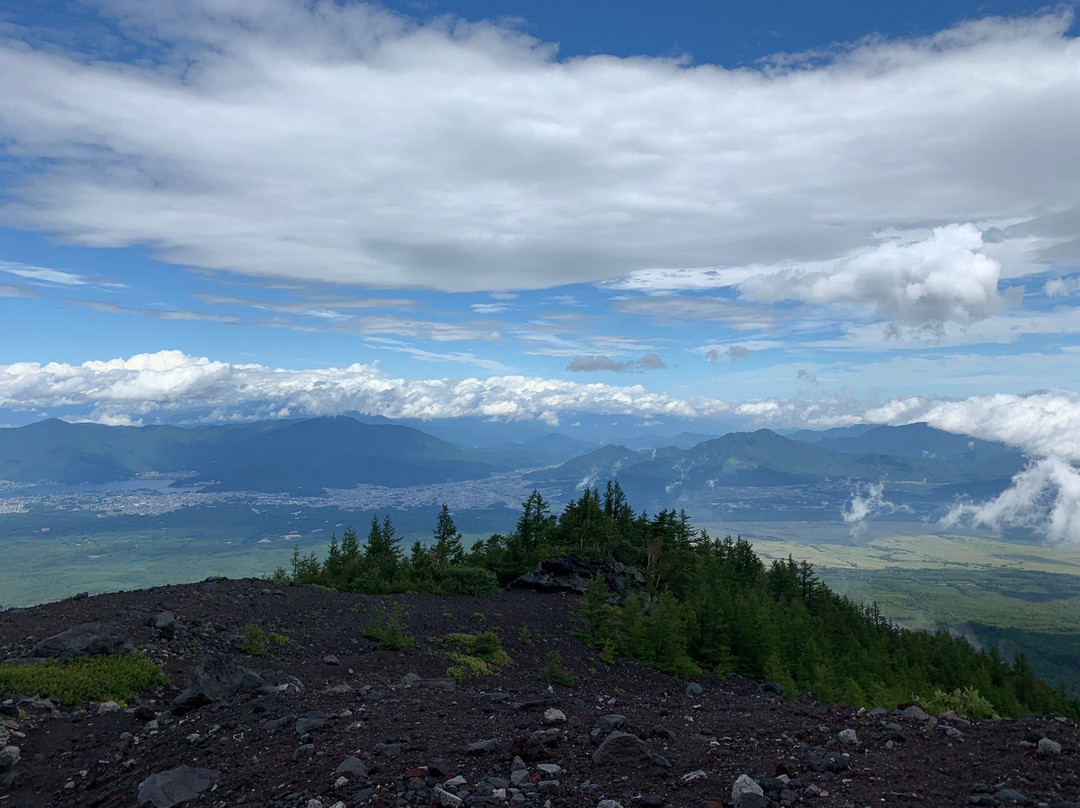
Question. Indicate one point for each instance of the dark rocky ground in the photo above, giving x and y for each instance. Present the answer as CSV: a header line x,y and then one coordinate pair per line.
x,y
383,727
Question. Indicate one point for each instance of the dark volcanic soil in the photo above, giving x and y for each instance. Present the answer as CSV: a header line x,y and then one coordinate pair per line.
x,y
85,758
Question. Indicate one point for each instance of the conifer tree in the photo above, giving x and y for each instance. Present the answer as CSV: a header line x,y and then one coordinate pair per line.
x,y
447,548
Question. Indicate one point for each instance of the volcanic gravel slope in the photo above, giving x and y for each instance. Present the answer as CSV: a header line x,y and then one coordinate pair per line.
x,y
409,736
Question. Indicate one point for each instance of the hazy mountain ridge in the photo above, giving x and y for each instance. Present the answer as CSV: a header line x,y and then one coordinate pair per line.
x,y
766,459
307,456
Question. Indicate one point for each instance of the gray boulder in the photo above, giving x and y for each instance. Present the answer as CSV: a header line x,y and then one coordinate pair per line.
x,y
484,747
166,789
1010,796
216,679
610,722
746,793
85,639
1049,748
165,623
9,756
352,765
914,712
621,747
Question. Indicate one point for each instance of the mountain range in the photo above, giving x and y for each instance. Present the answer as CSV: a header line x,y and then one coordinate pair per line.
x,y
307,456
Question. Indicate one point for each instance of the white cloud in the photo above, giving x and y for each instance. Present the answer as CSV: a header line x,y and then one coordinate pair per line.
x,y
943,278
1061,287
166,385
867,502
1044,497
1043,424
459,357
52,277
341,143
170,385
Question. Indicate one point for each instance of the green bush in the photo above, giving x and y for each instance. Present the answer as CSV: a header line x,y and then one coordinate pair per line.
x,y
116,677
525,637
254,642
556,672
476,655
388,630
965,702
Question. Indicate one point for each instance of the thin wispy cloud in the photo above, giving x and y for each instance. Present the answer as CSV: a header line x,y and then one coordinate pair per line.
x,y
157,314
53,277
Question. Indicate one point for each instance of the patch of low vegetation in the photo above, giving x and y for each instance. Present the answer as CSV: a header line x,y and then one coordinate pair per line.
x,y
525,636
388,628
475,655
966,702
555,671
116,677
256,641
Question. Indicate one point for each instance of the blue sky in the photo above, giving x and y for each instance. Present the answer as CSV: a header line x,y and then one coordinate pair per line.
x,y
771,214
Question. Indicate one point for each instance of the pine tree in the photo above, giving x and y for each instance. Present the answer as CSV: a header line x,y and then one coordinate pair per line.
x,y
447,548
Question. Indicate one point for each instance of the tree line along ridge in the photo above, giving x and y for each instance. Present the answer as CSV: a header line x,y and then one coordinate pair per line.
x,y
704,603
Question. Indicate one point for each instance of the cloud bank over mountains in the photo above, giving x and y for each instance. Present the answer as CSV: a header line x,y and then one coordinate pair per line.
x,y
170,386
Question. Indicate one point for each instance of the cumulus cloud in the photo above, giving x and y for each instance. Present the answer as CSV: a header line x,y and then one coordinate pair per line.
x,y
943,278
1045,497
806,376
1061,287
591,364
340,142
170,385
866,502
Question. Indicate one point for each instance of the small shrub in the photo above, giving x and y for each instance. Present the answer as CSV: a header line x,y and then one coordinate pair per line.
x,y
280,640
556,672
525,637
388,630
254,643
116,677
967,702
607,652
476,655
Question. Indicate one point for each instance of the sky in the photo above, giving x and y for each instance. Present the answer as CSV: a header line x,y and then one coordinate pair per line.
x,y
776,214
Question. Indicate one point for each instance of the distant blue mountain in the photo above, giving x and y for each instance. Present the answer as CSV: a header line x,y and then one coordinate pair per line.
x,y
287,456
307,456
765,459
915,440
